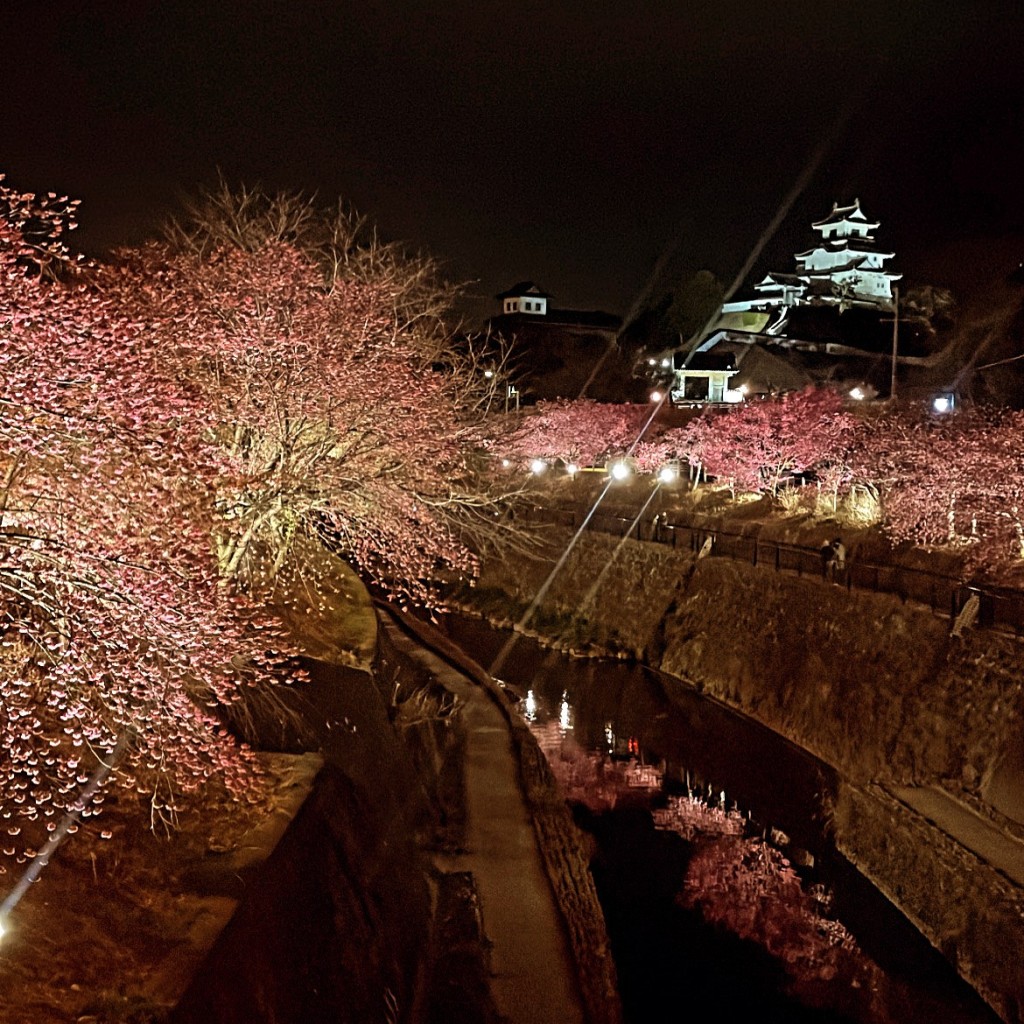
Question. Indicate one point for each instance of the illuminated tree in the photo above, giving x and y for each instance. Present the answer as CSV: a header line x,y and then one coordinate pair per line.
x,y
760,443
327,426
113,624
949,481
580,431
346,405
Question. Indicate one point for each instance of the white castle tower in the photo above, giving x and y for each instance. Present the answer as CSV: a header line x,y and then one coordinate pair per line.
x,y
845,268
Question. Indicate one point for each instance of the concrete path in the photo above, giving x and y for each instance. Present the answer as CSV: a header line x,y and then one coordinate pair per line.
x,y
533,976
1003,852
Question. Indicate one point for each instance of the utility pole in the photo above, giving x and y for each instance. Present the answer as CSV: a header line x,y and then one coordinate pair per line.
x,y
895,339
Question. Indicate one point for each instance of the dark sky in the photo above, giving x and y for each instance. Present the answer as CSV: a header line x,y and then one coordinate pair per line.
x,y
569,143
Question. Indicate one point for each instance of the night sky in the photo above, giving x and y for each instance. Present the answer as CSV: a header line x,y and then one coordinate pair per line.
x,y
570,143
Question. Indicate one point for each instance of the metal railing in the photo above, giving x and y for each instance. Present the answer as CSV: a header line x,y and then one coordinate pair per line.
x,y
999,608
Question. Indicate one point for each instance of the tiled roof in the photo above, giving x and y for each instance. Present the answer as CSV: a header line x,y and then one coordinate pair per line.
x,y
841,213
780,279
851,245
523,288
705,361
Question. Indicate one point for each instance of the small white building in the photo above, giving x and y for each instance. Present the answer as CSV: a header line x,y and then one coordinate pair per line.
x,y
524,297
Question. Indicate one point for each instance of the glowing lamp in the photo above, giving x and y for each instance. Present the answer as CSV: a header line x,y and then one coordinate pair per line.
x,y
942,403
538,466
488,374
572,469
505,463
620,470
858,394
668,474
656,396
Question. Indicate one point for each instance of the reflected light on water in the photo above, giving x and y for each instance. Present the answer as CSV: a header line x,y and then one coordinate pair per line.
x,y
564,714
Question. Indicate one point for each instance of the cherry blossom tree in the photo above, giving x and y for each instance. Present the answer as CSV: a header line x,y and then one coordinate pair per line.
x,y
580,431
758,444
949,481
994,462
326,426
346,404
114,631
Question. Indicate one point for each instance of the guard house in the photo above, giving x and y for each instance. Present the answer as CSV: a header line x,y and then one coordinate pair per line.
x,y
846,268
704,379
524,297
557,351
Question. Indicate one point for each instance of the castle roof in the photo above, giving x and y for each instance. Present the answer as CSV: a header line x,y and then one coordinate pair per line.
x,y
778,280
849,245
523,288
839,214
842,268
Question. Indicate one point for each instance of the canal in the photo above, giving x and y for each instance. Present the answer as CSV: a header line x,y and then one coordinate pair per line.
x,y
724,896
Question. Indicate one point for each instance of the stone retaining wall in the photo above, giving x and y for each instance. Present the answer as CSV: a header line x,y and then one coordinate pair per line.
x,y
333,925
969,911
873,685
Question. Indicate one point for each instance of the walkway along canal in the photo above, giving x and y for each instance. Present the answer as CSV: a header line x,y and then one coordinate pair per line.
x,y
785,930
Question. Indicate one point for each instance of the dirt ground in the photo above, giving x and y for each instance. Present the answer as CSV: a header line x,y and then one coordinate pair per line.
x,y
116,923
112,926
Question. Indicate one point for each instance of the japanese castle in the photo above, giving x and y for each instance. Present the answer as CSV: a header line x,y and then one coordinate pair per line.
x,y
845,268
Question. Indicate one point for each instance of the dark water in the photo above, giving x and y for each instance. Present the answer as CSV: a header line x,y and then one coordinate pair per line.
x,y
673,963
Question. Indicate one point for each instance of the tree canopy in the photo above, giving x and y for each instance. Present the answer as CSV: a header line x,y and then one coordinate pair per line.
x,y
171,421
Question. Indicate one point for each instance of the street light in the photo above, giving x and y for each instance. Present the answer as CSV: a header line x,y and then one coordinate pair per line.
x,y
537,466
620,469
669,473
572,469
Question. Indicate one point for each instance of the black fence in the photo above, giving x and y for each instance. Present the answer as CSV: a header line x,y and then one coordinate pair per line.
x,y
1000,609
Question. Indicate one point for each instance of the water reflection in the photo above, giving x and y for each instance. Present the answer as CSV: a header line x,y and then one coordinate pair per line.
x,y
564,714
732,877
703,821
624,709
530,707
